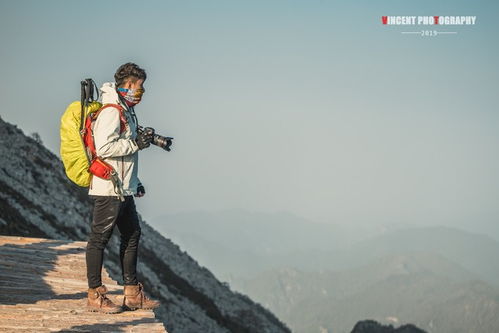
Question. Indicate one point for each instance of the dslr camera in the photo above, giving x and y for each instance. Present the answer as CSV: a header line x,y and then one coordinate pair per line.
x,y
161,141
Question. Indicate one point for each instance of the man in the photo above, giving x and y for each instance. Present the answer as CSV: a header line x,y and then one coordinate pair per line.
x,y
117,142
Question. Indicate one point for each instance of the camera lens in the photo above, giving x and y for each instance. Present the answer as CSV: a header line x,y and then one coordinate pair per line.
x,y
162,141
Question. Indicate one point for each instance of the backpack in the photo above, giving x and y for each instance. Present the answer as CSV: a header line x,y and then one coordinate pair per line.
x,y
77,148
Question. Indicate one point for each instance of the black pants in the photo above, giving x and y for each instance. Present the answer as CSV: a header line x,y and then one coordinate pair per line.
x,y
108,212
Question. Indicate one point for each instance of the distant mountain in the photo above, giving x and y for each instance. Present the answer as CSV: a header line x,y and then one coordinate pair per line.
x,y
253,231
476,252
486,225
255,241
37,200
442,279
420,288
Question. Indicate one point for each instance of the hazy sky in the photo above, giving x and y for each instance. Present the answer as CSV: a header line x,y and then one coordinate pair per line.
x,y
312,107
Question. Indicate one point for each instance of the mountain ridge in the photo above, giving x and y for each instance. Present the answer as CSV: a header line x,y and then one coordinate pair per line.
x,y
38,200
391,290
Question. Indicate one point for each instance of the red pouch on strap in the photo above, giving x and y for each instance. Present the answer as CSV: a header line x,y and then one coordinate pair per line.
x,y
100,168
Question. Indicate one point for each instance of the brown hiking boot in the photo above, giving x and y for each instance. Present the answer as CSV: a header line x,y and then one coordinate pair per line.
x,y
98,302
136,299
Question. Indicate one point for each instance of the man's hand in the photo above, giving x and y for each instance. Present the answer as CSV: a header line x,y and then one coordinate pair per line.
x,y
141,191
144,138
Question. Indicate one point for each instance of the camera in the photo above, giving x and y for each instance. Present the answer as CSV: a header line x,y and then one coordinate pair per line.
x,y
158,140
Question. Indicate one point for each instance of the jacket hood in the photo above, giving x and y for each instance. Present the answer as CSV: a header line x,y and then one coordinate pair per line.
x,y
109,94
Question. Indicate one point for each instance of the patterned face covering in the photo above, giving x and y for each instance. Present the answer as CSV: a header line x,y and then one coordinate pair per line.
x,y
131,96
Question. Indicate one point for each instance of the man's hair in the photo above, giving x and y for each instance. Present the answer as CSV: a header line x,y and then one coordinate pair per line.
x,y
129,71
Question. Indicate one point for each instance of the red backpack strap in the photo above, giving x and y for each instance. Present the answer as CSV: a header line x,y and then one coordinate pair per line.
x,y
123,120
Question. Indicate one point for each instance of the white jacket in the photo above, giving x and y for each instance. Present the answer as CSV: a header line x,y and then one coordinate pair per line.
x,y
118,149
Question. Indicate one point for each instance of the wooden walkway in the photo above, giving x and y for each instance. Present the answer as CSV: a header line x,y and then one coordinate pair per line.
x,y
43,288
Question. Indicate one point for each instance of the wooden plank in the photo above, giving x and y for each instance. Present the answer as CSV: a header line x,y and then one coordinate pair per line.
x,y
43,288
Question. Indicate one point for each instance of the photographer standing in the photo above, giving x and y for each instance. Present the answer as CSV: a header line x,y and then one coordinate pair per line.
x,y
117,142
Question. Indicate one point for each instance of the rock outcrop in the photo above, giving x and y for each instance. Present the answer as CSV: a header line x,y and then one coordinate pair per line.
x,y
371,326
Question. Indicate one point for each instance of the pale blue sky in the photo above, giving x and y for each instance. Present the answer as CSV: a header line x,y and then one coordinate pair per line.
x,y
311,107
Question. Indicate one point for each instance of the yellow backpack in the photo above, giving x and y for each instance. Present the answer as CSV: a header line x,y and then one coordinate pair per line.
x,y
73,151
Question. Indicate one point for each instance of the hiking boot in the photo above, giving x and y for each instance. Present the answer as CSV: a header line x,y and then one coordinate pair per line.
x,y
136,299
98,302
